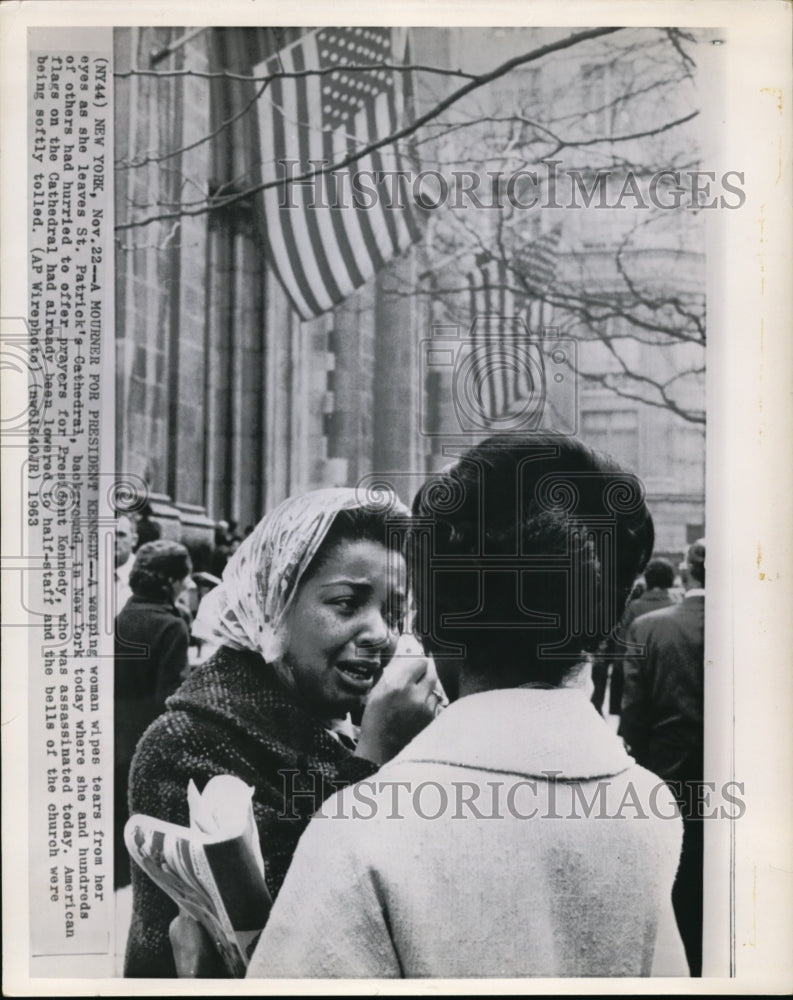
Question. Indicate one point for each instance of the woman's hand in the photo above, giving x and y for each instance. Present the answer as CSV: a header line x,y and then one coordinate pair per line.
x,y
401,704
194,954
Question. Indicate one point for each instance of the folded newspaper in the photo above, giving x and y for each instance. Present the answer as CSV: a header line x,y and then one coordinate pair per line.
x,y
214,869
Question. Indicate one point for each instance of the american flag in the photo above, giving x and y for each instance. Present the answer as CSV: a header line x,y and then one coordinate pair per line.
x,y
329,235
507,372
535,260
493,372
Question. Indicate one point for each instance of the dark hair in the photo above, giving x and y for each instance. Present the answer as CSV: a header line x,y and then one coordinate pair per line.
x,y
158,565
659,573
356,524
200,553
524,553
148,531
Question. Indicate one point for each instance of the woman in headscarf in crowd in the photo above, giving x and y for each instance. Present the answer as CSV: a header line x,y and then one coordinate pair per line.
x,y
550,851
308,615
151,640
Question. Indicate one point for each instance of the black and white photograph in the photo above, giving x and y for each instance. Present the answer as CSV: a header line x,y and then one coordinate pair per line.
x,y
375,397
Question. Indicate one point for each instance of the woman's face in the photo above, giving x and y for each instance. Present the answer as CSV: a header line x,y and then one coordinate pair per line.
x,y
344,624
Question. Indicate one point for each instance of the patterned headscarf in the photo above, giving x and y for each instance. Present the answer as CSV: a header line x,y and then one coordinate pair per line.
x,y
247,609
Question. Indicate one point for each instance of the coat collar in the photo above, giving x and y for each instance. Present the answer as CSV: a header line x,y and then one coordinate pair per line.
x,y
655,594
166,605
527,731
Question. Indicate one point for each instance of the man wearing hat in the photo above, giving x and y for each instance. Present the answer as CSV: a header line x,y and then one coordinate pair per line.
x,y
662,710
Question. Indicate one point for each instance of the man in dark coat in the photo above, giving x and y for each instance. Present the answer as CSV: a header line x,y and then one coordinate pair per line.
x,y
150,663
659,577
662,710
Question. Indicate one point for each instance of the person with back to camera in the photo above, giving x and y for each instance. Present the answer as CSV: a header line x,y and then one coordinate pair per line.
x,y
659,576
151,640
662,723
525,553
308,614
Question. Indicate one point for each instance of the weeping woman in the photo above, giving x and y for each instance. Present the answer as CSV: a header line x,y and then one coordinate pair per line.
x,y
307,617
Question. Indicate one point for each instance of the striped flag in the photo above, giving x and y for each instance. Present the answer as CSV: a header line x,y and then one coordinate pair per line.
x,y
493,373
507,367
535,261
330,234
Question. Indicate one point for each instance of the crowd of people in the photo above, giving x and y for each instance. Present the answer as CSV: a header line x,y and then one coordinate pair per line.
x,y
155,599
514,606
652,670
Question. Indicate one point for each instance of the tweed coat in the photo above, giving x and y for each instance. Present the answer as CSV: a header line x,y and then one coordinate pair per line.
x,y
232,716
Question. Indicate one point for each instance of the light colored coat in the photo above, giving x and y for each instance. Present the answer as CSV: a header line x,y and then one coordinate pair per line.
x,y
524,842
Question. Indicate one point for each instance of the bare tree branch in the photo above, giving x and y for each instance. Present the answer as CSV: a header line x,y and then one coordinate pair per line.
x,y
690,416
284,74
675,35
627,138
440,107
121,165
607,295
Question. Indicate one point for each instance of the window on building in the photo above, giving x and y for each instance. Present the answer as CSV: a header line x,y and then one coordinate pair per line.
x,y
610,349
432,404
694,532
615,432
599,113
